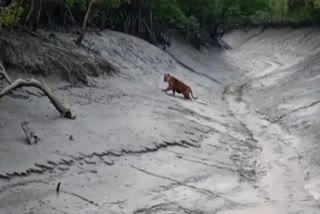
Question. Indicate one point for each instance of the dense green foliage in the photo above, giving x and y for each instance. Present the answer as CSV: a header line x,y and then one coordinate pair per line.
x,y
197,20
10,14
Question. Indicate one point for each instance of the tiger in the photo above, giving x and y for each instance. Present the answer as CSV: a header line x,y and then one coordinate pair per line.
x,y
178,86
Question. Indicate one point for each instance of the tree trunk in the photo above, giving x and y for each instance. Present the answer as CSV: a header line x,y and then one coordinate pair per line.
x,y
39,12
84,25
73,19
17,10
30,11
36,22
80,38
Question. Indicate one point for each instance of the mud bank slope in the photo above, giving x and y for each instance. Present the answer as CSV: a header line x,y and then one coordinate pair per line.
x,y
134,148
282,85
242,147
123,113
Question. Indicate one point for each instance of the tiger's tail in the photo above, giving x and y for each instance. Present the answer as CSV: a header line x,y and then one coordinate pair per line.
x,y
195,98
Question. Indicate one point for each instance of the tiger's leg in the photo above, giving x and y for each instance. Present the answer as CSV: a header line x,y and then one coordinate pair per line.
x,y
170,87
186,96
167,89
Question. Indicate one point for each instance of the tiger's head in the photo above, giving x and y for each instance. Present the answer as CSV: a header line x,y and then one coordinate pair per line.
x,y
166,77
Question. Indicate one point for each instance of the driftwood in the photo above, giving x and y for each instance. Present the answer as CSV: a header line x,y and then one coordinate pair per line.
x,y
19,83
64,111
4,75
31,137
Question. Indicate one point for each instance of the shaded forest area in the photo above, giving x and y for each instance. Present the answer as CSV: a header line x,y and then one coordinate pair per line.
x,y
199,21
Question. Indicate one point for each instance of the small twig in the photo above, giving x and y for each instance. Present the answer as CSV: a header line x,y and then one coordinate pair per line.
x,y
31,137
80,197
58,187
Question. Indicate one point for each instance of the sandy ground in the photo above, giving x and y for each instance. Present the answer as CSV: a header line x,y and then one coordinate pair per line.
x,y
247,145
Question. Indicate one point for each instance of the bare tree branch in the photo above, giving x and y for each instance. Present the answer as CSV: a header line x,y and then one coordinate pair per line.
x,y
30,11
39,11
84,24
64,111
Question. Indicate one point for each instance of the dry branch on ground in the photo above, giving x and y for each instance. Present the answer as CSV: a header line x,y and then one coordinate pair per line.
x,y
64,111
31,137
19,83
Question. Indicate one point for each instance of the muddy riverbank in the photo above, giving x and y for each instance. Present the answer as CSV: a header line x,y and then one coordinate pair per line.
x,y
247,145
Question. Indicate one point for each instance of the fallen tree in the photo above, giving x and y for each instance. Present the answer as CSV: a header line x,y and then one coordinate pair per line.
x,y
65,112
31,82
